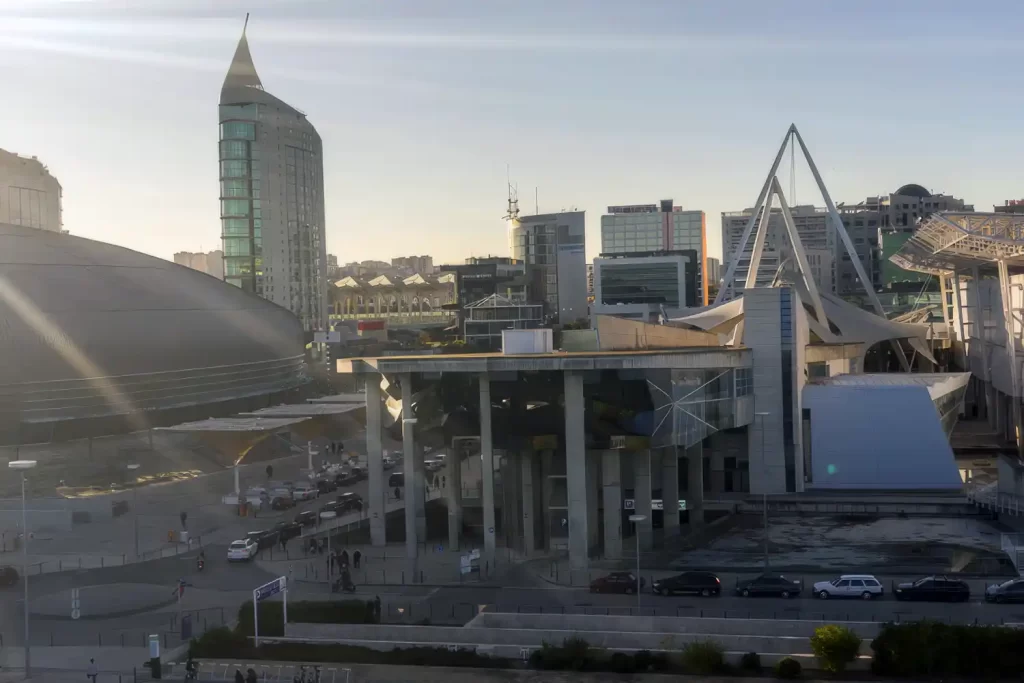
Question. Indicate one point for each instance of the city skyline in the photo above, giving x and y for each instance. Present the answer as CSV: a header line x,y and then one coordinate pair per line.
x,y
421,111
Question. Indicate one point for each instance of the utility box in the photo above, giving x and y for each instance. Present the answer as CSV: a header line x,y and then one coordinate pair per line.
x,y
526,341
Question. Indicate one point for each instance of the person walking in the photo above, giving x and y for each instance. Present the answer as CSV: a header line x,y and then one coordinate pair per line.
x,y
91,671
376,606
284,546
344,559
356,557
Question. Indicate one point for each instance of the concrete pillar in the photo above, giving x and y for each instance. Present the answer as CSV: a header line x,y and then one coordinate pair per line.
x,y
510,516
529,505
593,462
487,463
375,462
408,466
670,490
611,476
453,491
642,496
576,475
695,484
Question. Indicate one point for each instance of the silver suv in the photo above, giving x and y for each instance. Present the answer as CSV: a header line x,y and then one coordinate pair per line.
x,y
864,586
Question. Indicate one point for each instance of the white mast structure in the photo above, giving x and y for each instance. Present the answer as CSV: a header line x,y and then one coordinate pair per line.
x,y
772,188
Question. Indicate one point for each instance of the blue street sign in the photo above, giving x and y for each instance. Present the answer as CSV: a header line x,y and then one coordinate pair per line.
x,y
269,589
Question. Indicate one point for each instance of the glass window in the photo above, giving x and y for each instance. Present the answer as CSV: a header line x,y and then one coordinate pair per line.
x,y
237,130
234,169
234,207
238,187
234,246
234,149
235,226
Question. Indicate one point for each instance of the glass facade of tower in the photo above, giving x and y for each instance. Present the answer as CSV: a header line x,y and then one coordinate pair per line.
x,y
240,211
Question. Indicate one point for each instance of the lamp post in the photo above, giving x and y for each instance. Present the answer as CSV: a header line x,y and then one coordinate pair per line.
x,y
21,466
636,519
135,506
764,484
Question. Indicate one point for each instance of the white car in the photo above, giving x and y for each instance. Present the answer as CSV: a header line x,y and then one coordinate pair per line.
x,y
305,492
242,550
863,586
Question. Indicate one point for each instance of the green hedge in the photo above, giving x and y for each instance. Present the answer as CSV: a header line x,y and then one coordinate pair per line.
x,y
305,612
928,648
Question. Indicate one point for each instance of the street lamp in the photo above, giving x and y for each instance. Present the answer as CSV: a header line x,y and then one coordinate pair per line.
x,y
135,506
21,466
764,483
636,519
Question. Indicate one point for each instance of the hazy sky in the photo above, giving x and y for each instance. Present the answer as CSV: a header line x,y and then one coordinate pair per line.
x,y
422,103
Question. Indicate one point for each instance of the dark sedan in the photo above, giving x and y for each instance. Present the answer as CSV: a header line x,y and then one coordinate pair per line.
x,y
282,503
616,582
306,518
769,585
326,485
287,530
934,589
688,583
349,501
8,576
266,538
1008,591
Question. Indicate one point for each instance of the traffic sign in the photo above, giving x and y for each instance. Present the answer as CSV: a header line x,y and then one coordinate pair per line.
x,y
270,589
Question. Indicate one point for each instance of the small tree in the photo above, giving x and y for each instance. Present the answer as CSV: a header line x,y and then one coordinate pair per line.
x,y
788,668
835,647
704,658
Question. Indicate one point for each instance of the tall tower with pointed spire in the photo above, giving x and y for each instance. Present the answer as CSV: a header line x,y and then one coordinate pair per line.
x,y
271,195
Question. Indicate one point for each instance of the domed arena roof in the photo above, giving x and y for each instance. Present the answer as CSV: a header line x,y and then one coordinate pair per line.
x,y
89,329
913,190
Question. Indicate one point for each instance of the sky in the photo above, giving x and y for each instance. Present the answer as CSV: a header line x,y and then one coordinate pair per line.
x,y
425,107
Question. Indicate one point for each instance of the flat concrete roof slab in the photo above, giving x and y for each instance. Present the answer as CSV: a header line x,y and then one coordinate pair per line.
x,y
305,410
235,424
681,359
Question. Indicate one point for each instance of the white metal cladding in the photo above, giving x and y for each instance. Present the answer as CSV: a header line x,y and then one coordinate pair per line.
x,y
948,241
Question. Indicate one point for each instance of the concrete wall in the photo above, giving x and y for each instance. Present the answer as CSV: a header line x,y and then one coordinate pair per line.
x,y
617,334
761,332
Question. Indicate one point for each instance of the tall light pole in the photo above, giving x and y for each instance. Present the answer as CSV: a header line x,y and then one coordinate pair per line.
x,y
764,490
135,506
21,466
636,519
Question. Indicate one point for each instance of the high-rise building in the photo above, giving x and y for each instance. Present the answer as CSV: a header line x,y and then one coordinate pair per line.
x,y
553,246
414,264
714,271
812,225
211,262
644,228
29,195
271,196
642,287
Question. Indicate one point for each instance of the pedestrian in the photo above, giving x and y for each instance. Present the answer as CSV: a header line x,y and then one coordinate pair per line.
x,y
284,546
344,559
323,546
356,556
398,493
376,606
92,672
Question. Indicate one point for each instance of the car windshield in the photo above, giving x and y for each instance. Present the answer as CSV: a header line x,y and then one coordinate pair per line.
x,y
1007,584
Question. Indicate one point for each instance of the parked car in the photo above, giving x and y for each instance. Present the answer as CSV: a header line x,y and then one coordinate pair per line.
x,y
305,491
345,479
1007,591
282,503
863,586
8,576
306,518
396,480
388,462
265,538
775,585
242,550
326,485
934,589
688,583
358,472
616,582
287,530
433,465
350,501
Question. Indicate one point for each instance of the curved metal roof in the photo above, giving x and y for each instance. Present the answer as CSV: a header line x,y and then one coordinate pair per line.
x,y
80,319
910,190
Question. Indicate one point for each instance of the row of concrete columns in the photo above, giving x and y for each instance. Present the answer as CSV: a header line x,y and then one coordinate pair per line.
x,y
591,479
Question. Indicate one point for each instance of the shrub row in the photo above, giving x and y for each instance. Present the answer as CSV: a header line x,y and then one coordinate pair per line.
x,y
927,648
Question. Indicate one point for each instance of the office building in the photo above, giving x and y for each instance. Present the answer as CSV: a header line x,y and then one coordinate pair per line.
x,y
818,238
714,271
552,247
486,319
648,228
29,195
271,196
642,287
211,262
482,277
